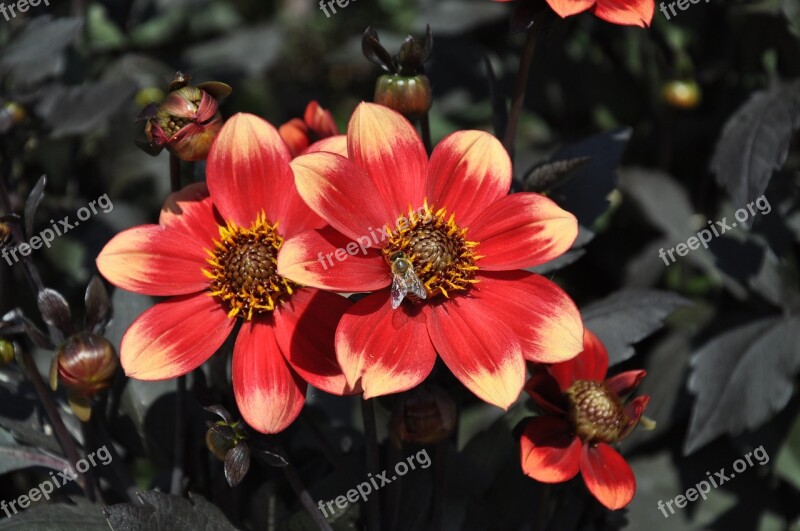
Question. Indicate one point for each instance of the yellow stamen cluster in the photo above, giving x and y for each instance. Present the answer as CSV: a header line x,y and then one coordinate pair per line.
x,y
243,270
442,257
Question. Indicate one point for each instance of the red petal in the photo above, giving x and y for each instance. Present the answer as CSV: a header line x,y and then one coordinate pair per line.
x,y
341,193
522,230
625,382
384,350
152,260
608,476
327,259
626,12
174,337
333,144
549,452
305,327
320,120
634,412
479,348
192,212
269,394
566,8
468,171
545,319
544,390
591,364
248,172
386,146
295,134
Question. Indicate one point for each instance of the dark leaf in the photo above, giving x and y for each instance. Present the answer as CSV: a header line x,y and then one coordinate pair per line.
x,y
755,142
82,109
544,176
32,204
221,411
585,193
252,51
165,512
58,517
741,378
574,254
271,456
626,317
98,305
237,463
55,310
43,38
216,89
499,108
453,17
374,51
17,457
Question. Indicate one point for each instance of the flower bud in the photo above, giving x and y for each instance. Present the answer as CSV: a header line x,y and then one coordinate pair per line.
x,y
410,96
219,442
187,121
85,364
681,94
6,352
317,123
426,415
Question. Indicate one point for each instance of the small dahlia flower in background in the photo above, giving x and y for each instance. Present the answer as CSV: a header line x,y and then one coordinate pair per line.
x,y
187,121
317,123
584,414
450,222
214,252
622,12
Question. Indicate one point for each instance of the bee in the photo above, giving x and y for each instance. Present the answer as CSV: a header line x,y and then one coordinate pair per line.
x,y
404,280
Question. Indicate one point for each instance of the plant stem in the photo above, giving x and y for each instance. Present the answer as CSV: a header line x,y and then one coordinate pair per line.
x,y
62,434
373,461
425,125
305,498
519,90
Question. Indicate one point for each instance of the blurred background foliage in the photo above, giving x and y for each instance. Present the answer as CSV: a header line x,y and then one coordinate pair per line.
x,y
74,76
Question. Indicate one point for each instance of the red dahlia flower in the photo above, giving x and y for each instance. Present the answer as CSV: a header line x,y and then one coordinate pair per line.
x,y
622,12
462,237
317,123
214,252
583,415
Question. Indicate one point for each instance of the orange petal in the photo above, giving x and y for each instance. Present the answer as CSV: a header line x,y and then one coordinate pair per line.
x,y
591,364
268,392
384,350
626,12
540,313
479,349
248,172
174,337
608,476
192,212
566,8
522,230
387,147
469,170
305,327
549,451
327,259
341,193
295,134
152,260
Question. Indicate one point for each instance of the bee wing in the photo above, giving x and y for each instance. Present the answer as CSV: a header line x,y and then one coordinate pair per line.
x,y
398,291
414,285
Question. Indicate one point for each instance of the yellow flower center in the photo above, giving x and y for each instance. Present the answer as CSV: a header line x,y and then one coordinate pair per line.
x,y
597,414
442,257
243,270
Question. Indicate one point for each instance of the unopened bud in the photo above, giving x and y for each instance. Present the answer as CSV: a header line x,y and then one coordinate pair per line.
x,y
426,415
85,364
219,442
6,352
410,96
317,123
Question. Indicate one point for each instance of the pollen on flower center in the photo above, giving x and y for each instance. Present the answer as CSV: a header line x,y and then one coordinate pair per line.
x,y
243,270
596,413
442,257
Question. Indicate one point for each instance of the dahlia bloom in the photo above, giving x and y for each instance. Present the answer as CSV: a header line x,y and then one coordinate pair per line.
x,y
584,413
214,252
317,123
466,241
622,12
